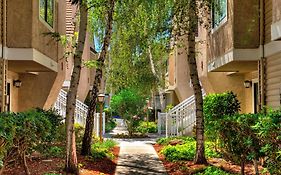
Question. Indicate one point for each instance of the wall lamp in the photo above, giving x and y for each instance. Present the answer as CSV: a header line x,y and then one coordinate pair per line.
x,y
17,83
247,83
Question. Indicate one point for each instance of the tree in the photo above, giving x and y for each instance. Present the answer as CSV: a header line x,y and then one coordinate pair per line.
x,y
71,158
186,24
87,138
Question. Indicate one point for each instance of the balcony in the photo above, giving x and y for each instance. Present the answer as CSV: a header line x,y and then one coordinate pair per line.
x,y
233,45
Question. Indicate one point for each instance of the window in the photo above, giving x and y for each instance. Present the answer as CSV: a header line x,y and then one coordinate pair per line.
x,y
47,11
219,12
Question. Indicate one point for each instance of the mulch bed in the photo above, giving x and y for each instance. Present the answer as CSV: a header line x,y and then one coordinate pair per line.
x,y
55,165
188,167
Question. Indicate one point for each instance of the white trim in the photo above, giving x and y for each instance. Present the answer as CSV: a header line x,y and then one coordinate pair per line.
x,y
30,54
234,55
276,30
272,48
0,50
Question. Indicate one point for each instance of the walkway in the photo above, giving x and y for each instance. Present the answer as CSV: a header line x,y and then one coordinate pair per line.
x,y
137,156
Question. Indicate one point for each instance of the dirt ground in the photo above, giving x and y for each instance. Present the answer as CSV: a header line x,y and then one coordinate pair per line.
x,y
55,165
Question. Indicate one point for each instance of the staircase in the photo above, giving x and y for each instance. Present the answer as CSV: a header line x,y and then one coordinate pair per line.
x,y
180,120
80,112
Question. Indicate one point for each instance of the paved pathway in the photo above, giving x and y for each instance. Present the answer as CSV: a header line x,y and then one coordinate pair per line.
x,y
137,156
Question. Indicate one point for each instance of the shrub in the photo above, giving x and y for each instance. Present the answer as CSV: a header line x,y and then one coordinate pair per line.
x,y
186,151
147,127
215,107
100,150
19,132
129,104
110,125
211,170
269,134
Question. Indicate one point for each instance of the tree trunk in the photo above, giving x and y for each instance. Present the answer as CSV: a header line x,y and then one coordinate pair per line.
x,y
256,166
71,159
152,65
87,138
242,167
191,56
26,169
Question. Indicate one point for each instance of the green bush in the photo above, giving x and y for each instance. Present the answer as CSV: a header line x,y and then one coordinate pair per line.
x,y
269,134
186,151
129,104
215,107
19,132
100,150
211,170
147,127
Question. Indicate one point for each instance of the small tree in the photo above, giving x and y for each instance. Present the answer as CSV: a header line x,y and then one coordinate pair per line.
x,y
128,104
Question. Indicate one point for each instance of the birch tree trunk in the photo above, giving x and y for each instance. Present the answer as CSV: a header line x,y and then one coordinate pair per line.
x,y
191,56
160,91
87,138
71,158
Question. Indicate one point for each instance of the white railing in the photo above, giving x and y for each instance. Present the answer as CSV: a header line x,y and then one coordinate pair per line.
x,y
81,111
180,120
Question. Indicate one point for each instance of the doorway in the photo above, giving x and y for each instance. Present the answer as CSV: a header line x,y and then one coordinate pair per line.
x,y
255,92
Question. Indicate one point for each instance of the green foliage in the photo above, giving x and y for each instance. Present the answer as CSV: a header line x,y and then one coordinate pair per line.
x,y
147,127
215,108
129,104
110,125
100,150
184,151
168,107
211,170
269,132
56,151
79,131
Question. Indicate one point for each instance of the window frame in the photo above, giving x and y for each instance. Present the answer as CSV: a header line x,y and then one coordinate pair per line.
x,y
44,20
222,20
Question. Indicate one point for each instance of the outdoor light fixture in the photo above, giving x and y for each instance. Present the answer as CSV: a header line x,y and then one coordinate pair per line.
x,y
101,98
101,101
247,83
17,83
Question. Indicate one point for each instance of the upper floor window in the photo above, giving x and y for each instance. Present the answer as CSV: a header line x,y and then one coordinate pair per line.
x,y
47,11
219,12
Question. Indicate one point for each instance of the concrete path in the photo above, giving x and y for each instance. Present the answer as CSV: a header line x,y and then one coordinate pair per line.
x,y
137,156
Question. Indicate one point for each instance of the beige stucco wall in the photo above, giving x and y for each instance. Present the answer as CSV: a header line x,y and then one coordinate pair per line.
x,y
171,69
183,88
246,24
26,30
14,91
276,11
249,92
19,23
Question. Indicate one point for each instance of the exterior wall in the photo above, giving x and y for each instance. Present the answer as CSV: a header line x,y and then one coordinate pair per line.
x,y
273,81
171,69
182,78
268,20
221,39
247,15
276,11
249,92
22,32
19,25
14,91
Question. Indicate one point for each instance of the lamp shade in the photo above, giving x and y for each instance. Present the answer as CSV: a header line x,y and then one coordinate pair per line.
x,y
17,83
247,83
101,98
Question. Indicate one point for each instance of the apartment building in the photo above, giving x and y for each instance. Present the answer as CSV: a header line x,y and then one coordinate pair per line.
x,y
33,67
240,52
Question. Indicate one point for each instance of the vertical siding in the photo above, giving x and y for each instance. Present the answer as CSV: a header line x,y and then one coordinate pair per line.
x,y
268,19
273,81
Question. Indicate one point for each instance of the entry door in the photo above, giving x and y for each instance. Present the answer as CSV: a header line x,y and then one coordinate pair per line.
x,y
255,86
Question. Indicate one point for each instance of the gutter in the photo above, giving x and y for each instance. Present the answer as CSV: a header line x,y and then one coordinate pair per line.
x,y
261,65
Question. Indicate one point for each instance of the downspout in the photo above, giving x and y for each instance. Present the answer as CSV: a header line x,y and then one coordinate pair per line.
x,y
261,65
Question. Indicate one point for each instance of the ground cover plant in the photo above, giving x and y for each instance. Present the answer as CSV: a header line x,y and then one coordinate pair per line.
x,y
147,127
